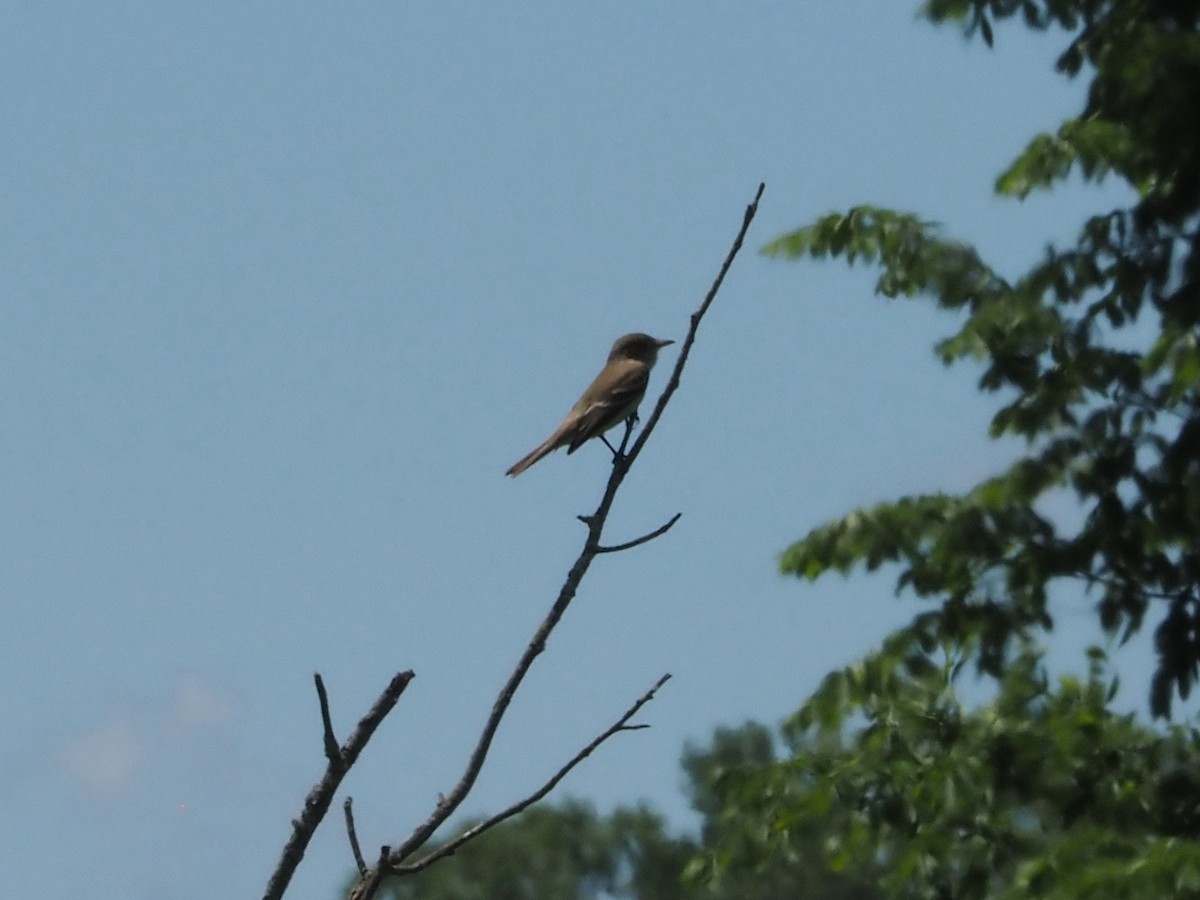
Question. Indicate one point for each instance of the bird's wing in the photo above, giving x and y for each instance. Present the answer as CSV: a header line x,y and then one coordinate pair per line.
x,y
601,410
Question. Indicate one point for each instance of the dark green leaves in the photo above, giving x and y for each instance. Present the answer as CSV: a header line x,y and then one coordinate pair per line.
x,y
1040,791
1096,147
1031,786
1095,350
914,259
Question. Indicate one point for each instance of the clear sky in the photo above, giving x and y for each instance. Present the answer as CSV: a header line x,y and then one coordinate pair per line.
x,y
285,289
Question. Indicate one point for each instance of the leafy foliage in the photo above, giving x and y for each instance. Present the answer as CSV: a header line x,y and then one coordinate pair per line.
x,y
1095,352
1042,792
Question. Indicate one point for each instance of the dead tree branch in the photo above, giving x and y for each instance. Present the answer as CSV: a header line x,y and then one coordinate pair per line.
x,y
316,804
473,832
369,883
673,384
341,759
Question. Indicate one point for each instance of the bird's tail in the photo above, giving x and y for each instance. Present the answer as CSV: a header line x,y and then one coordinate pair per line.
x,y
550,444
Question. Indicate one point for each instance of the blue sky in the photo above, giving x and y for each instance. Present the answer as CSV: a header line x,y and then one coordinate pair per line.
x,y
287,286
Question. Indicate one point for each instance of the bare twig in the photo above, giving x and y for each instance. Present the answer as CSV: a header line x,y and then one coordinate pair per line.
x,y
686,348
333,752
369,882
352,834
316,804
660,530
450,848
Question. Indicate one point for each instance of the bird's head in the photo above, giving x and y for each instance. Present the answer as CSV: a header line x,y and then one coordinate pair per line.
x,y
638,346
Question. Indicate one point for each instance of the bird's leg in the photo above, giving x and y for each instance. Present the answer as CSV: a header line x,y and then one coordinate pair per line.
x,y
629,423
618,452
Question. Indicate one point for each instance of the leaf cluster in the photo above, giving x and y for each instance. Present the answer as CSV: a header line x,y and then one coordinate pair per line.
x,y
1043,791
1093,352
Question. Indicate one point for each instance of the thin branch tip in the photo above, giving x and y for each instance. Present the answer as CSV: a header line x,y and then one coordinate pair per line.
x,y
333,750
696,317
348,809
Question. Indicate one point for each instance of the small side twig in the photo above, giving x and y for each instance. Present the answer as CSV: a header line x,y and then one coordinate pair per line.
x,y
451,847
333,752
657,532
352,834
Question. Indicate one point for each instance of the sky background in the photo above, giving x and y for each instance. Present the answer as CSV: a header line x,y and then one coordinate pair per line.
x,y
286,287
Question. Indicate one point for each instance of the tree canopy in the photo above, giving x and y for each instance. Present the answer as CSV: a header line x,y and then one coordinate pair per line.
x,y
1094,355
1042,792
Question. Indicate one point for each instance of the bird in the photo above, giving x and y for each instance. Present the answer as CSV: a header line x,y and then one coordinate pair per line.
x,y
609,400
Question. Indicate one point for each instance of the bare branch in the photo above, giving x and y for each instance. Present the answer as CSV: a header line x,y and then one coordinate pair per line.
x,y
348,809
471,833
449,803
333,752
660,530
369,883
316,804
686,348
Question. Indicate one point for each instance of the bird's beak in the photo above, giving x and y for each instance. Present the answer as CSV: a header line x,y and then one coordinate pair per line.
x,y
662,344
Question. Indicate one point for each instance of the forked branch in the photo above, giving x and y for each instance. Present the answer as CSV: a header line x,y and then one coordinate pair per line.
x,y
316,804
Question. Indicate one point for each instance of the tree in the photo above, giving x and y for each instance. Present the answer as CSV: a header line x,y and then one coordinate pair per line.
x,y
1119,427
801,869
1042,792
1094,353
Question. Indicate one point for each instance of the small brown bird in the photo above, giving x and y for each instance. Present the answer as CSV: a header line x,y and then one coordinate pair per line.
x,y
609,400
